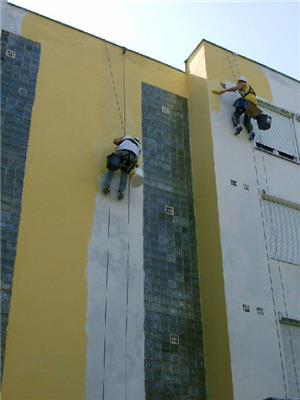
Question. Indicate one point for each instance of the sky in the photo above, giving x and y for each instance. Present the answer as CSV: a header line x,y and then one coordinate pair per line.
x,y
264,31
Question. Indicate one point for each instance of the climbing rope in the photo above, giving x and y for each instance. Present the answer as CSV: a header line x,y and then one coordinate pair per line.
x,y
281,280
126,321
269,271
105,312
266,245
235,57
115,89
235,76
124,85
128,246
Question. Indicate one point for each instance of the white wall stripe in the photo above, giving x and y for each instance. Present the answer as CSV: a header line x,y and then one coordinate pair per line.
x,y
115,361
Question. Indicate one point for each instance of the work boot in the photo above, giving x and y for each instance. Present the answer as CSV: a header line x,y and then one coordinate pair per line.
x,y
251,136
121,195
238,129
106,189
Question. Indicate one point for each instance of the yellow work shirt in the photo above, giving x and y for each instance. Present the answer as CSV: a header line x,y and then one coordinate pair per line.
x,y
248,93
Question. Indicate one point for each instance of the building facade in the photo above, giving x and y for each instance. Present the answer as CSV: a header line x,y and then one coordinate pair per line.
x,y
250,254
100,297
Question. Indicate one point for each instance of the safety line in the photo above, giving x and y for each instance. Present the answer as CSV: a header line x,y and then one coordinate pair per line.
x,y
124,86
235,57
231,67
128,246
126,324
105,312
270,275
114,88
127,296
281,280
267,252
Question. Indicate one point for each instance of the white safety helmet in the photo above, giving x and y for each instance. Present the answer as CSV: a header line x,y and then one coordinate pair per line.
x,y
242,79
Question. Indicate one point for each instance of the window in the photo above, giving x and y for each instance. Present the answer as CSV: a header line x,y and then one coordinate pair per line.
x,y
169,210
280,139
165,109
283,230
174,339
10,53
290,333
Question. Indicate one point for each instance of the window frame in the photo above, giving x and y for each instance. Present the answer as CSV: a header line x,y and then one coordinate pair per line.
x,y
275,152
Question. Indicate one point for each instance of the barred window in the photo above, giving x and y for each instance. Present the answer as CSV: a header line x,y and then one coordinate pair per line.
x,y
290,333
283,231
280,139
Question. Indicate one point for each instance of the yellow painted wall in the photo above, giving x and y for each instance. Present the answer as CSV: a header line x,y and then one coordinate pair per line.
x,y
222,66
212,293
74,120
197,63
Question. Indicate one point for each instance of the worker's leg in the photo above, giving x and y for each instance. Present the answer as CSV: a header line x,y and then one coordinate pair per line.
x,y
249,126
123,183
247,123
236,121
107,181
252,112
236,117
240,106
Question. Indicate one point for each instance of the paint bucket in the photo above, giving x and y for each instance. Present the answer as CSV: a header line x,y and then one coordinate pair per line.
x,y
138,177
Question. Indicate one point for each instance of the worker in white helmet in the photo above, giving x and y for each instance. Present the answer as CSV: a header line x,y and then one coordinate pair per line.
x,y
124,158
246,104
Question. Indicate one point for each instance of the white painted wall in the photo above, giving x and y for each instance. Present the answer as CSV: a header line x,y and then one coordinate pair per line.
x,y
115,316
285,91
250,278
12,18
3,4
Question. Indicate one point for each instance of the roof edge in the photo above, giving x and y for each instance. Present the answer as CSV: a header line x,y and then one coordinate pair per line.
x,y
97,37
234,53
151,58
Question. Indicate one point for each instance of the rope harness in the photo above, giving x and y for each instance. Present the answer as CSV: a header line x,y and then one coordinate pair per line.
x,y
127,165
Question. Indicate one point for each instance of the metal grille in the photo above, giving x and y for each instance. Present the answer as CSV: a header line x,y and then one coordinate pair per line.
x,y
169,210
10,53
291,346
174,339
296,122
280,138
165,109
283,232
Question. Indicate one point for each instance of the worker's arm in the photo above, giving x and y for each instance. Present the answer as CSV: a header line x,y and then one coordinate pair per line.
x,y
239,86
118,141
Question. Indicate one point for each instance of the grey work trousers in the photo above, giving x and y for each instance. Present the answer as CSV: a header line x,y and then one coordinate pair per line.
x,y
123,180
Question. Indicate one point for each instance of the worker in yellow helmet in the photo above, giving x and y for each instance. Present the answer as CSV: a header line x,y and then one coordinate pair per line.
x,y
246,104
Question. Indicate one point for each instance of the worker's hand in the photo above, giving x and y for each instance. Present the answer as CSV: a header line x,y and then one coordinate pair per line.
x,y
118,141
217,91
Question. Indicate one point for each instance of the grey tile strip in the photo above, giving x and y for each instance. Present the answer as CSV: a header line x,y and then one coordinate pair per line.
x,y
19,67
